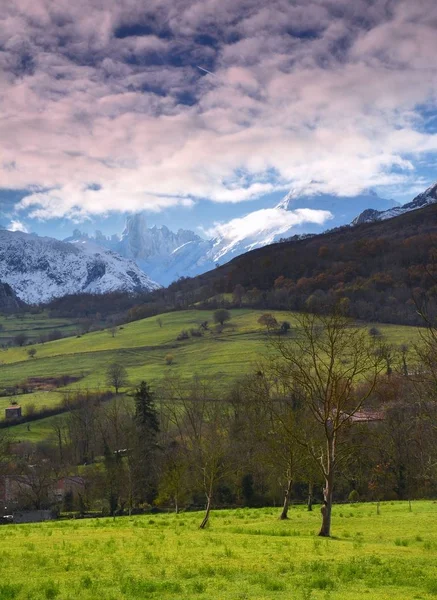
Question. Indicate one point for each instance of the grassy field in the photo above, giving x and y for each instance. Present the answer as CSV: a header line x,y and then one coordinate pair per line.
x,y
142,347
33,326
245,554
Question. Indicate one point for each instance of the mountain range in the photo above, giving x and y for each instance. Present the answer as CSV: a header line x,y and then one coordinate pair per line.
x,y
145,258
165,255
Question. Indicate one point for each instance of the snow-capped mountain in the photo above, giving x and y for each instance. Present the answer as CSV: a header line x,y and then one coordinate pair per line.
x,y
370,215
166,256
41,268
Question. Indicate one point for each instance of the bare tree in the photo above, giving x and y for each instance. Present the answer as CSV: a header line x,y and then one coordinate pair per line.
x,y
116,376
113,330
201,423
334,367
271,413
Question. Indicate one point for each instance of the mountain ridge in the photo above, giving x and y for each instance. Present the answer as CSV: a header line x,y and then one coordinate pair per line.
x,y
39,269
370,215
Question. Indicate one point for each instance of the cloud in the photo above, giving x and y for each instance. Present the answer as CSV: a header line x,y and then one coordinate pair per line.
x,y
17,225
105,109
266,224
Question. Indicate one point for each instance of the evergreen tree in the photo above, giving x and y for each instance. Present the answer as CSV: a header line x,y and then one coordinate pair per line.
x,y
145,448
145,411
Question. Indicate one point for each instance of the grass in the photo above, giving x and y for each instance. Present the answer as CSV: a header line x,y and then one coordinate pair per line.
x,y
245,554
142,346
37,399
33,326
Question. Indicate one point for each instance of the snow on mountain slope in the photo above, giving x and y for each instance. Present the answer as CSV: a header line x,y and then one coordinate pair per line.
x,y
166,256
40,268
370,215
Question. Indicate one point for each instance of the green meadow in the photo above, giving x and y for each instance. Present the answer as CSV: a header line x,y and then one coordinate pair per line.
x,y
142,347
245,554
33,326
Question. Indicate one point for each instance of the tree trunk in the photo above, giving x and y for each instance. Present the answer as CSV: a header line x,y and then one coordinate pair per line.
x,y
326,509
204,523
310,496
176,504
325,530
284,513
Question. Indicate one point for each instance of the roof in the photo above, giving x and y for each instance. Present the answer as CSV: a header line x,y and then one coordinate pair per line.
x,y
364,416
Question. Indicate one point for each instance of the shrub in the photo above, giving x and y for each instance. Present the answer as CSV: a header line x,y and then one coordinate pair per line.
x,y
169,358
285,327
354,496
195,332
183,336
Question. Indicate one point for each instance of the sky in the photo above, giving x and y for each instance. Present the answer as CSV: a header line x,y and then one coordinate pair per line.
x,y
206,112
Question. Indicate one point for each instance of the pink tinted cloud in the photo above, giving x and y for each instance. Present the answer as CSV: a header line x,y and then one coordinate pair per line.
x,y
315,95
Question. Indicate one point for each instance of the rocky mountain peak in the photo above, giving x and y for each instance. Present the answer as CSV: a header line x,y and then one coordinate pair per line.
x,y
429,196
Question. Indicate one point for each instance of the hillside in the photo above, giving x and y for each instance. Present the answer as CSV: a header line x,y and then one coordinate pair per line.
x,y
142,347
379,270
9,303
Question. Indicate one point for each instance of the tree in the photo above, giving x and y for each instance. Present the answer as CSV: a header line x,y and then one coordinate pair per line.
x,y
116,376
31,352
375,332
201,421
113,330
174,477
274,421
145,411
268,320
221,315
238,294
333,367
403,349
113,470
5,456
143,454
285,327
20,339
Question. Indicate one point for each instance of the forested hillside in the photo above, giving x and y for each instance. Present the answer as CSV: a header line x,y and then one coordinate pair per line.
x,y
378,271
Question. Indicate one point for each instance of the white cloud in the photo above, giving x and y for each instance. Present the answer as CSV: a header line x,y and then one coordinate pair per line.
x,y
16,225
267,223
312,94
